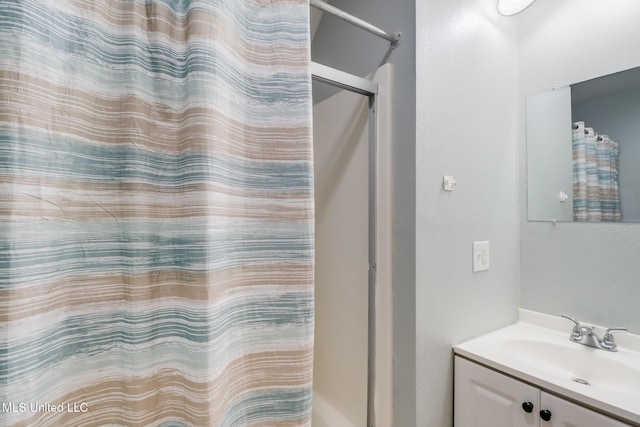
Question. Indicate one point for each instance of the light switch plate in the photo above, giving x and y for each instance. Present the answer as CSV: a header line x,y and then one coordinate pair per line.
x,y
480,256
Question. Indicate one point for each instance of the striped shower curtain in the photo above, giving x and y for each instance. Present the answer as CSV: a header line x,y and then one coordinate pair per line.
x,y
156,213
596,193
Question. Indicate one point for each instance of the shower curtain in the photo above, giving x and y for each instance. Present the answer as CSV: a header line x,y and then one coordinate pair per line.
x,y
156,213
596,195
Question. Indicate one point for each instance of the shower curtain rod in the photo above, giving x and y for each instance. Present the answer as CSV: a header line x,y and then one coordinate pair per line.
x,y
394,39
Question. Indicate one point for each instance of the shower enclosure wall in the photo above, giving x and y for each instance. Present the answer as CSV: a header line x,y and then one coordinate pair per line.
x,y
352,225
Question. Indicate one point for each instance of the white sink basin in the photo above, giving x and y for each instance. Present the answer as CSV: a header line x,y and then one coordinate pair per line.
x,y
584,365
545,357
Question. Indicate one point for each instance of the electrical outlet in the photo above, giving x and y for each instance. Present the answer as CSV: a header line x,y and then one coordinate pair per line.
x,y
480,256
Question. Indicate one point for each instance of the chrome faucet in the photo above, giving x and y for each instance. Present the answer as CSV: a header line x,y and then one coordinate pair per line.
x,y
586,335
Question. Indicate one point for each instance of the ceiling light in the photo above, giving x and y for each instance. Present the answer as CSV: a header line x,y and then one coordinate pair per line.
x,y
512,7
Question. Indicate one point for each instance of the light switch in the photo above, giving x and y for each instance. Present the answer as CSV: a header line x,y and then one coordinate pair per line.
x,y
480,256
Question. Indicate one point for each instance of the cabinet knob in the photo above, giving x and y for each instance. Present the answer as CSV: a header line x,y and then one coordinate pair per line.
x,y
545,414
527,407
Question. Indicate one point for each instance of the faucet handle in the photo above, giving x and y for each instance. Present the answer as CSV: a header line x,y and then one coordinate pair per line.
x,y
608,340
576,333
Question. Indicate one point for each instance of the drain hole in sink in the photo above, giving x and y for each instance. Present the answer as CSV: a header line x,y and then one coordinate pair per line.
x,y
581,381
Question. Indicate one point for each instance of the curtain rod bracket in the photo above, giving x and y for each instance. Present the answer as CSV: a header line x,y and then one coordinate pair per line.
x,y
398,39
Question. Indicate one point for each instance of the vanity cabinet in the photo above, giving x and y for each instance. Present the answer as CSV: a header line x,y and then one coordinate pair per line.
x,y
567,414
486,398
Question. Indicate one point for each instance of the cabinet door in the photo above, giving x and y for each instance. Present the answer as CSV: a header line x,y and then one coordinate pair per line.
x,y
567,414
485,398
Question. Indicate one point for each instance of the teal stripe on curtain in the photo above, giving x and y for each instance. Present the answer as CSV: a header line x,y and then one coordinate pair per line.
x,y
156,213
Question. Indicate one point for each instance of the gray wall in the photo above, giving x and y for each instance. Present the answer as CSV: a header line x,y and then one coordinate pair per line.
x,y
340,45
586,270
466,127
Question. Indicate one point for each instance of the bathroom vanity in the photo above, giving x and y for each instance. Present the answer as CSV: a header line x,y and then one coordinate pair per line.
x,y
531,374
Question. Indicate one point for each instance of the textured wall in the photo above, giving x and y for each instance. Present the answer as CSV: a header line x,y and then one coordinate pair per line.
x,y
340,45
589,271
466,127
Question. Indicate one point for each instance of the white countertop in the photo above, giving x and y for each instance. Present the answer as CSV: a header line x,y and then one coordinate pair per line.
x,y
537,350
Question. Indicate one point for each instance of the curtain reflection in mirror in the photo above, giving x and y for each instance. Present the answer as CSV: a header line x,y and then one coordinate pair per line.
x,y
596,194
